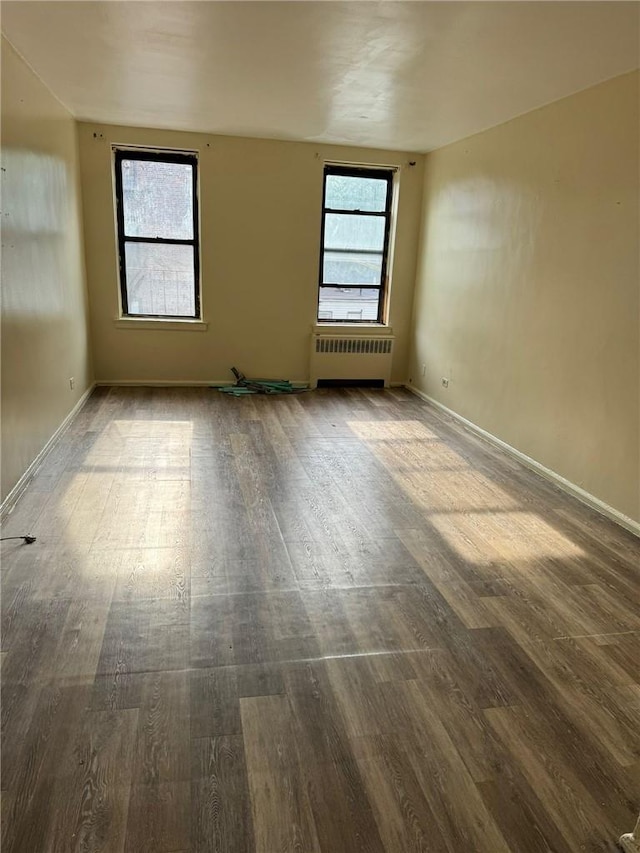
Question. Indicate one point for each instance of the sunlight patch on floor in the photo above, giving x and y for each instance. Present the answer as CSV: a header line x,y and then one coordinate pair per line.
x,y
512,536
433,476
392,431
138,438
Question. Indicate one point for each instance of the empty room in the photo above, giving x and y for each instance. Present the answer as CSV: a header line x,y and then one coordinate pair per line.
x,y
320,422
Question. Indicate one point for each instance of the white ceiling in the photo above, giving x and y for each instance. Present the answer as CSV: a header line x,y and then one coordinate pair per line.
x,y
401,75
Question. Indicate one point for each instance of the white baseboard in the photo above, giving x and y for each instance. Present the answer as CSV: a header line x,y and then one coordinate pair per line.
x,y
11,499
566,485
179,383
162,383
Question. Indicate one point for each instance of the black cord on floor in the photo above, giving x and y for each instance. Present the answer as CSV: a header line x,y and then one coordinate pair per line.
x,y
27,539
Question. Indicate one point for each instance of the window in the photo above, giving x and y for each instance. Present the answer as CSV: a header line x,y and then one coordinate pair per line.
x,y
157,214
356,219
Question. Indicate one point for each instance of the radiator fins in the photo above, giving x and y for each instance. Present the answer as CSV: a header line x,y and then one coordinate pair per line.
x,y
355,346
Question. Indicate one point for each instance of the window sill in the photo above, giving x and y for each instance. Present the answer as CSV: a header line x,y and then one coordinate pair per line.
x,y
161,325
353,328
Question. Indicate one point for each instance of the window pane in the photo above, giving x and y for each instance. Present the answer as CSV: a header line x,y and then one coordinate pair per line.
x,y
345,268
354,304
157,199
346,231
160,279
344,192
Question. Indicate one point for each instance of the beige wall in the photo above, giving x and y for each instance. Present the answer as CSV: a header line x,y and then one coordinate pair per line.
x,y
527,294
44,320
260,206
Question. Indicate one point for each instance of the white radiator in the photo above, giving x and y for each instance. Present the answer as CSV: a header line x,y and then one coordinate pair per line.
x,y
351,357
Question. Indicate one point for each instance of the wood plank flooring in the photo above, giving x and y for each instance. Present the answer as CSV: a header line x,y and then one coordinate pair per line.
x,y
329,623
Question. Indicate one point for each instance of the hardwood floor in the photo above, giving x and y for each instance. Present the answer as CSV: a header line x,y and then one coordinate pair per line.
x,y
330,622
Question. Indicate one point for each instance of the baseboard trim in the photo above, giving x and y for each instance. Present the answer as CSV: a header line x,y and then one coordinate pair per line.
x,y
161,383
178,383
12,498
564,484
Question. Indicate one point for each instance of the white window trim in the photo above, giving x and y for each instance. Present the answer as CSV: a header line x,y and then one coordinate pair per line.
x,y
159,324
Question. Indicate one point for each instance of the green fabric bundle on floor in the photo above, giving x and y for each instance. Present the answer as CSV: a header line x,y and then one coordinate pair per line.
x,y
245,386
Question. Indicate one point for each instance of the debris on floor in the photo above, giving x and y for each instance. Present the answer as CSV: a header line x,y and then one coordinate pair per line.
x,y
245,386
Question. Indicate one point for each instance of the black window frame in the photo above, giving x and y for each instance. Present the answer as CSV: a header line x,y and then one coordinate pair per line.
x,y
387,174
184,157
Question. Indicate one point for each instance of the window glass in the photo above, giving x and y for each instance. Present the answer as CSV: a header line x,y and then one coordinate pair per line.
x,y
160,279
349,231
349,192
352,304
357,268
157,199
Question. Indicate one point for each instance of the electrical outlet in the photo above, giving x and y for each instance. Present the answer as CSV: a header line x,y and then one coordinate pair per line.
x,y
445,382
424,369
72,382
